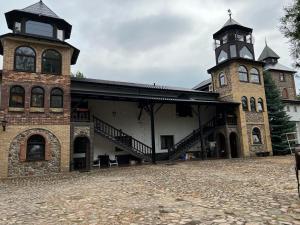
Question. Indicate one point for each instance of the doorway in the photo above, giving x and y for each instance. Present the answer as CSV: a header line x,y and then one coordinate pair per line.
x,y
221,146
81,153
233,145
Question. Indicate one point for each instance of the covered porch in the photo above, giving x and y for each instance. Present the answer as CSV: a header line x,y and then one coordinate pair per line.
x,y
139,123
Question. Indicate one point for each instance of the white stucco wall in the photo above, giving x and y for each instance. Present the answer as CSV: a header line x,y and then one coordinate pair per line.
x,y
293,110
124,115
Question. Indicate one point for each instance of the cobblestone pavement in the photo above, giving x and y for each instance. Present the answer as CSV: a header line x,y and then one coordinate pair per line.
x,y
242,191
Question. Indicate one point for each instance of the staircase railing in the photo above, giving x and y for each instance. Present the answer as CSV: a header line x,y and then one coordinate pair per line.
x,y
118,136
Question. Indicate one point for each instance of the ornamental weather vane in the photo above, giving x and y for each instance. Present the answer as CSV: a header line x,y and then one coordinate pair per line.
x,y
229,13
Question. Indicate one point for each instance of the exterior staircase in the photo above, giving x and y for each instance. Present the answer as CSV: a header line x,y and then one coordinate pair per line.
x,y
122,140
191,140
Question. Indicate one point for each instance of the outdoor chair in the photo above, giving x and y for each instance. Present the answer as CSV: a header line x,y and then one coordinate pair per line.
x,y
113,161
97,162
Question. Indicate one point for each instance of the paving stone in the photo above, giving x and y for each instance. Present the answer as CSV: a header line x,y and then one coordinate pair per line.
x,y
239,191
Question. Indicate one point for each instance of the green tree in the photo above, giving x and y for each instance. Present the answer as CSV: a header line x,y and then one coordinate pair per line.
x,y
279,121
78,74
290,26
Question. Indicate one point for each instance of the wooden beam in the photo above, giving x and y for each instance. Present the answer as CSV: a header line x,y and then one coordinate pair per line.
x,y
161,105
201,130
153,132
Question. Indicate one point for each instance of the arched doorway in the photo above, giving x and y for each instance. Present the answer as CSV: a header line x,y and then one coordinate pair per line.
x,y
234,145
81,153
221,146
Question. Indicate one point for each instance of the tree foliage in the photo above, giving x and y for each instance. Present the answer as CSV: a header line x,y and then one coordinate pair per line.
x,y
279,121
290,26
78,74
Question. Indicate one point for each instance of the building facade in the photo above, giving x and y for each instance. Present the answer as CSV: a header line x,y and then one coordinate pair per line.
x,y
53,122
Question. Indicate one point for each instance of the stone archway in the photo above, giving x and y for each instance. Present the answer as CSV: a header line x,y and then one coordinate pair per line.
x,y
21,167
81,153
233,138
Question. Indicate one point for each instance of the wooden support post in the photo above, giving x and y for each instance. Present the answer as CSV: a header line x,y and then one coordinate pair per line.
x,y
152,132
201,133
227,137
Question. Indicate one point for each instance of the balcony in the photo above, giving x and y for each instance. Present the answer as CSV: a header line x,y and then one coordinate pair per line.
x,y
80,115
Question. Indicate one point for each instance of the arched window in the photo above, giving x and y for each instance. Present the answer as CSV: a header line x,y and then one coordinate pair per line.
x,y
245,53
245,103
243,74
37,97
51,62
25,59
222,79
260,105
285,93
252,104
256,136
35,148
254,76
56,98
17,97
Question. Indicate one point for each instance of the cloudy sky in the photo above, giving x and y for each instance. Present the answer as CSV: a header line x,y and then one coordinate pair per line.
x,y
168,42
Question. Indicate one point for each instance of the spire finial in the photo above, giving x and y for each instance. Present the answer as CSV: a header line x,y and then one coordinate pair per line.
x,y
266,41
229,13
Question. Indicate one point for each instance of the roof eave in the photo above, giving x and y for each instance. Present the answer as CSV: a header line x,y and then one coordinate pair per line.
x,y
231,27
232,60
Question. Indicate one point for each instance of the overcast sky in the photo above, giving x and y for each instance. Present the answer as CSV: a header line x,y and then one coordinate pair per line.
x,y
168,42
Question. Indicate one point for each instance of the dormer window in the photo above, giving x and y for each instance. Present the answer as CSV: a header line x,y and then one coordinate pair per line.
x,y
38,28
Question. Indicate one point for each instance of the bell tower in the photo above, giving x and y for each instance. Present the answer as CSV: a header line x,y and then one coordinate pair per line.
x,y
238,77
35,92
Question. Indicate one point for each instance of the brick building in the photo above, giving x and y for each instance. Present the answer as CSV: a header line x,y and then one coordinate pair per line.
x,y
53,122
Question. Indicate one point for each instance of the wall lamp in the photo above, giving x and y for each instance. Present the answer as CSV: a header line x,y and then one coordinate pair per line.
x,y
4,123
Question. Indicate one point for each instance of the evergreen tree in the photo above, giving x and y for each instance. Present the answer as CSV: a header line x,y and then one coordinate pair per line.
x,y
279,121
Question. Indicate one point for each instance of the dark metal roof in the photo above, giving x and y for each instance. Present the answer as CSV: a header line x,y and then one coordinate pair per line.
x,y
230,25
231,22
297,102
268,53
75,50
40,8
39,12
203,84
122,91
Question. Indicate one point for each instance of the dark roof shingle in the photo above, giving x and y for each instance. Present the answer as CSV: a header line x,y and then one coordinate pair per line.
x,y
40,8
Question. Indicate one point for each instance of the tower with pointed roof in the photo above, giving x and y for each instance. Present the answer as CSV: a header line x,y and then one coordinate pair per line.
x,y
282,75
237,77
35,92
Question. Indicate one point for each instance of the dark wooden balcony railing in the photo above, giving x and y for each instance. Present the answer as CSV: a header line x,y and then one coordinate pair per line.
x,y
80,116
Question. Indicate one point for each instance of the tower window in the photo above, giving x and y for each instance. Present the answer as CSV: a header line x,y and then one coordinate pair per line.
x,y
243,74
17,97
260,105
254,76
222,56
35,148
51,62
239,37
38,28
37,97
25,59
245,103
232,51
252,104
285,93
222,79
60,35
256,136
245,53
56,98
17,28
281,77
